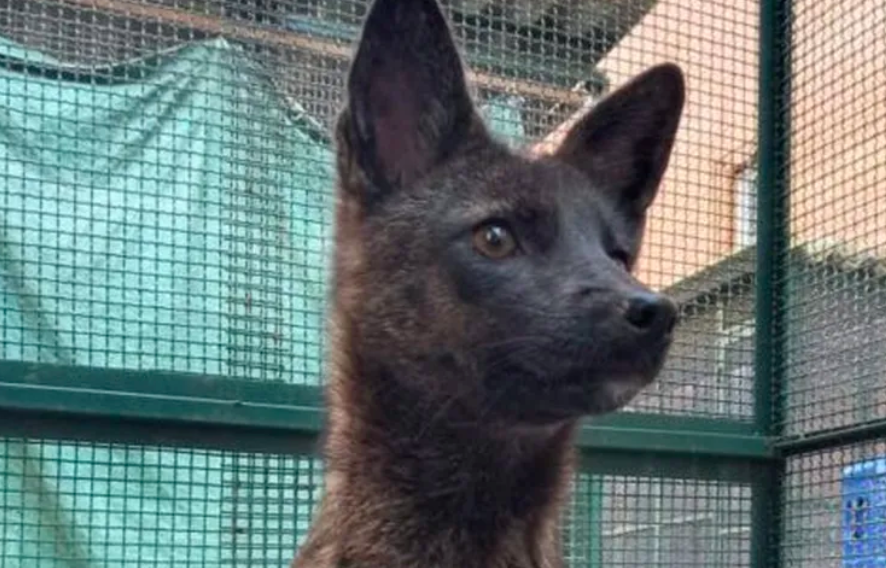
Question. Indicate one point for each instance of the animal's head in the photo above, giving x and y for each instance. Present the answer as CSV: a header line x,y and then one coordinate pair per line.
x,y
487,279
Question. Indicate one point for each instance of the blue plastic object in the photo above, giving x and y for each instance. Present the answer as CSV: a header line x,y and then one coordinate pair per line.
x,y
864,514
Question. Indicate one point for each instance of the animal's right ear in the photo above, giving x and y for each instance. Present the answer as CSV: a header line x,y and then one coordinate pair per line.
x,y
624,143
408,105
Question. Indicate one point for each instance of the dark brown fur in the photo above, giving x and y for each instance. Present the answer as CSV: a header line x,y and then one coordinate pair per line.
x,y
455,380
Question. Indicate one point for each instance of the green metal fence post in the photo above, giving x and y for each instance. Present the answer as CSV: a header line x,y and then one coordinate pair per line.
x,y
772,248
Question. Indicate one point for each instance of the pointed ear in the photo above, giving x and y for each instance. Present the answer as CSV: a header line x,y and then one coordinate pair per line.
x,y
624,143
408,104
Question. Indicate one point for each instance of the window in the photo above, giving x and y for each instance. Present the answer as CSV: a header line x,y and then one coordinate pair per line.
x,y
745,215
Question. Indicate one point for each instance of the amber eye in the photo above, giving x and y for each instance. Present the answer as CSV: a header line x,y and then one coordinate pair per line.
x,y
494,240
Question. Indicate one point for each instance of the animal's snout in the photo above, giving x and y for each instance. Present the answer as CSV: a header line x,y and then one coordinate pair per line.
x,y
651,313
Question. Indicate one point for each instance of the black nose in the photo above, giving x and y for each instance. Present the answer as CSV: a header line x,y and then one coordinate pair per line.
x,y
651,312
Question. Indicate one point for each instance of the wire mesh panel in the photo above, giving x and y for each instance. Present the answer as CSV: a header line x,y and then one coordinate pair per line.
x,y
835,512
167,212
674,522
89,504
646,521
167,188
86,504
833,287
835,294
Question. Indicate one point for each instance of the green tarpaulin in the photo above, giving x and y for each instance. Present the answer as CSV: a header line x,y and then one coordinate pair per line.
x,y
168,213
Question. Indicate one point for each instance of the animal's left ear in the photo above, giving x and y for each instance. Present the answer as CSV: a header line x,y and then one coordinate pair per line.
x,y
624,143
409,107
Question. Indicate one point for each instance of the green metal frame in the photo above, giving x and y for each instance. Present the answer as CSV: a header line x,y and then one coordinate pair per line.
x,y
191,401
772,247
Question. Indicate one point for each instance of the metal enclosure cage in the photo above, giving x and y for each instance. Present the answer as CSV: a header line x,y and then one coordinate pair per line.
x,y
167,181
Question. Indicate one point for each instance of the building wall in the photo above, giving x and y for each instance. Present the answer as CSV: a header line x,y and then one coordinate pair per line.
x,y
839,123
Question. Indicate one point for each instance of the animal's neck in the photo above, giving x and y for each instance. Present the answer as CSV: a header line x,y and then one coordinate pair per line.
x,y
409,484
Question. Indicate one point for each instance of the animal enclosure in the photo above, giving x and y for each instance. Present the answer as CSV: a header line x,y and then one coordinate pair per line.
x,y
165,230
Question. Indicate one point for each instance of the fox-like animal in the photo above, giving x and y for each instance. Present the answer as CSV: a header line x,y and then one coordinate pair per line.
x,y
482,303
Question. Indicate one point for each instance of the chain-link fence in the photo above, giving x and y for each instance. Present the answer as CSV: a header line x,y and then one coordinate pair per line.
x,y
168,177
